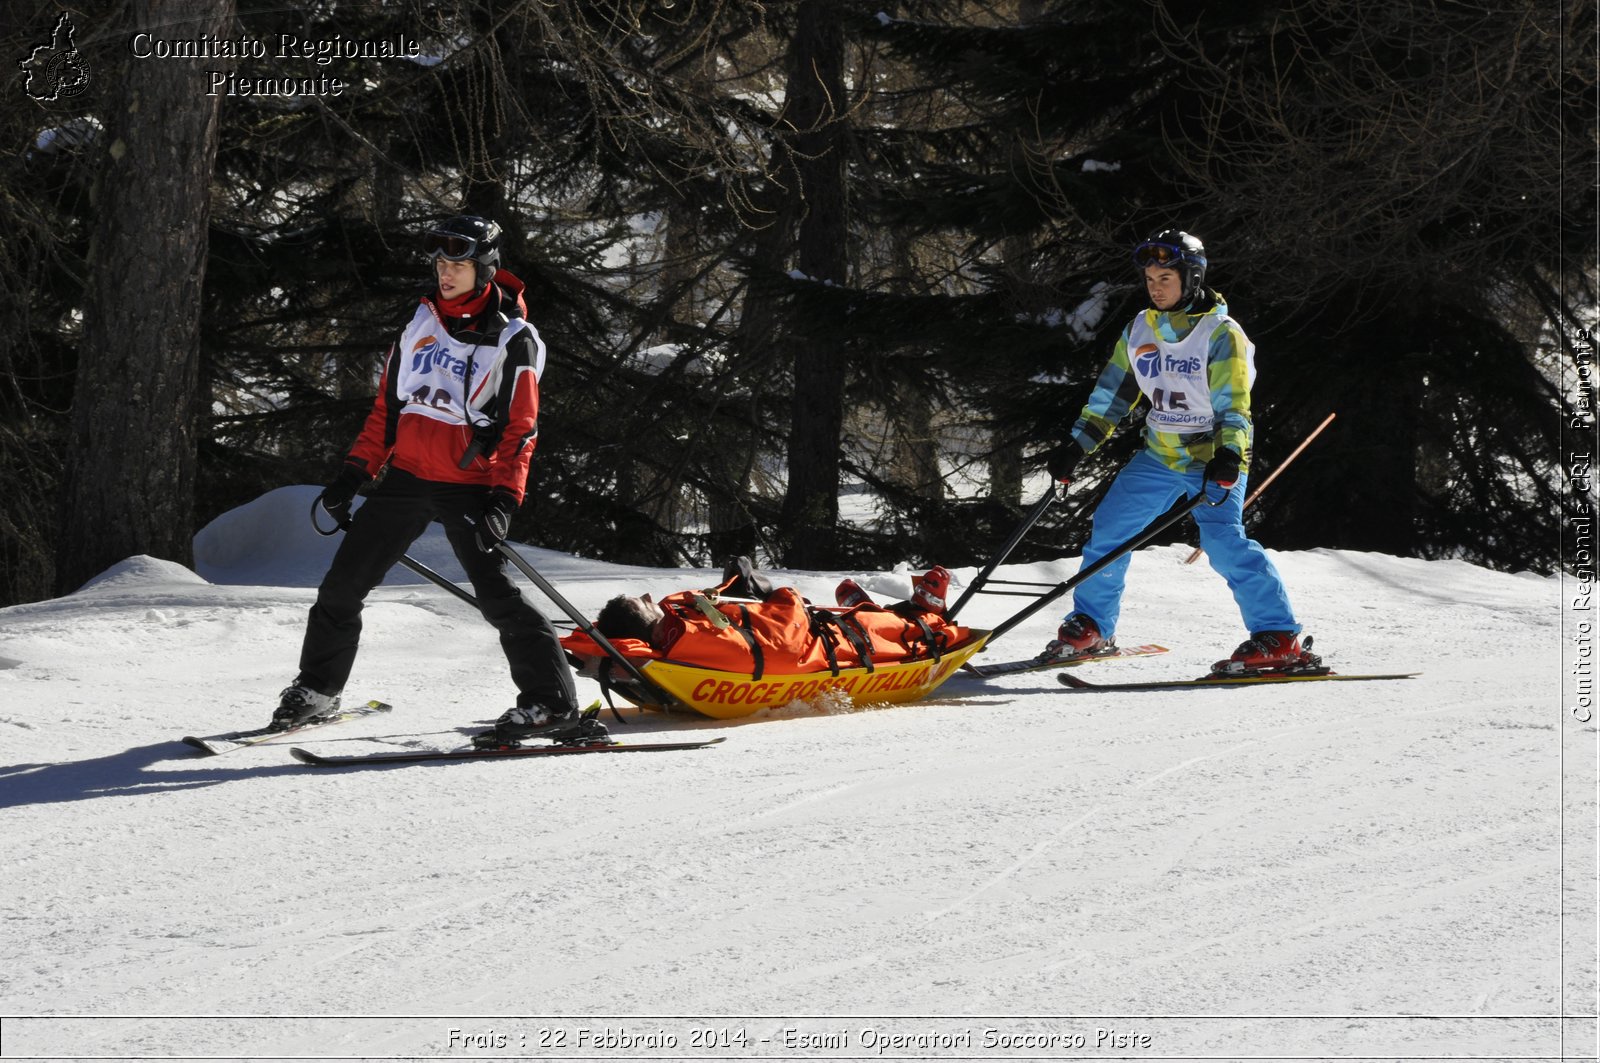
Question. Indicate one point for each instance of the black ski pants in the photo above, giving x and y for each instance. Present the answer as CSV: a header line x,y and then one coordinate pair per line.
x,y
380,533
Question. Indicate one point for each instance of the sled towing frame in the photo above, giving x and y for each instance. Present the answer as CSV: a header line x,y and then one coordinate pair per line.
x,y
980,584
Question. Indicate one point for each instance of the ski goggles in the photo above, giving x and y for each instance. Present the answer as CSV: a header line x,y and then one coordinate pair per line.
x,y
1154,254
453,246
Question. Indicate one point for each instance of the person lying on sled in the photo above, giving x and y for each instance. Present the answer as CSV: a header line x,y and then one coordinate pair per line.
x,y
779,632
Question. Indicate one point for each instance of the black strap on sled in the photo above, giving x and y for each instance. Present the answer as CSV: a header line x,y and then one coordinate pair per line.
x,y
858,637
936,642
758,663
829,627
603,677
829,640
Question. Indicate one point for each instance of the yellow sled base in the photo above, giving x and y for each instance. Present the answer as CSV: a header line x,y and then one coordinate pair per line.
x,y
732,695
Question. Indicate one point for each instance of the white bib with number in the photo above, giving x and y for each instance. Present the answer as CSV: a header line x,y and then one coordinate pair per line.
x,y
432,378
1175,375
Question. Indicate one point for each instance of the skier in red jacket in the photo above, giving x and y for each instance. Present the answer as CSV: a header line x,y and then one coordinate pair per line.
x,y
455,422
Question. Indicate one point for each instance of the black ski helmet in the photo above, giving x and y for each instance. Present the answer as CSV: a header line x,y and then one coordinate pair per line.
x,y
1176,249
466,237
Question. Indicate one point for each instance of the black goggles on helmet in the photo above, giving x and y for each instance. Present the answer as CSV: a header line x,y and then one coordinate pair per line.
x,y
1154,254
453,246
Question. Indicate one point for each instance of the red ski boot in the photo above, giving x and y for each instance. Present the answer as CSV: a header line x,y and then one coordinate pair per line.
x,y
849,594
1268,651
931,589
1078,636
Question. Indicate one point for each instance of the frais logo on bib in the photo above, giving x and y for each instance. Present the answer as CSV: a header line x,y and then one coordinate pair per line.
x,y
1147,360
428,354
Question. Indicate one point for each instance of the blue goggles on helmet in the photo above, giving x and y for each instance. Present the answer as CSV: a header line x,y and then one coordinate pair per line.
x,y
1151,253
453,246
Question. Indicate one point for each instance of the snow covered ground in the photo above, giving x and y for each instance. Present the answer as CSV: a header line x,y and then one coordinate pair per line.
x,y
1010,870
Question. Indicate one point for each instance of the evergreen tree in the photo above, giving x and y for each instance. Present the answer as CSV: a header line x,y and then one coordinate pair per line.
x,y
1033,148
1400,199
780,249
45,222
129,477
1355,156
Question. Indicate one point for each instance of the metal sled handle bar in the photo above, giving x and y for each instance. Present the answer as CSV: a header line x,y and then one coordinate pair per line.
x,y
587,628
995,562
1161,525
406,559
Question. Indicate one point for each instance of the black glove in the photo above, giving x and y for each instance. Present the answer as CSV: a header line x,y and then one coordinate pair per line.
x,y
1223,468
1062,462
498,509
338,495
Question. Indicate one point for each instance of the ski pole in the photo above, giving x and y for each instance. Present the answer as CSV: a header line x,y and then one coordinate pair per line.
x,y
587,628
1192,558
995,562
406,559
1160,525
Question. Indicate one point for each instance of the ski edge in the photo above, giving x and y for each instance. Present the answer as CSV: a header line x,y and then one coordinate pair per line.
x,y
1033,664
1072,682
218,744
306,756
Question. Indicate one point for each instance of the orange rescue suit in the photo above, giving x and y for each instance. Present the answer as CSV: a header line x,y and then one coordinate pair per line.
x,y
784,636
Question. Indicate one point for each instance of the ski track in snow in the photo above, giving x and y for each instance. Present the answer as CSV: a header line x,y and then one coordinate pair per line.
x,y
1006,848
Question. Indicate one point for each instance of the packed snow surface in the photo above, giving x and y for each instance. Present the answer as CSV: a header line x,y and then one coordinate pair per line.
x,y
1007,870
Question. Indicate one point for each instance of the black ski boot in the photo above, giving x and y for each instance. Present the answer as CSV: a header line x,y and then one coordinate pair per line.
x,y
562,725
300,705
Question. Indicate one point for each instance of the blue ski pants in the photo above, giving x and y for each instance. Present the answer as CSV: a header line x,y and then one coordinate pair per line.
x,y
1141,492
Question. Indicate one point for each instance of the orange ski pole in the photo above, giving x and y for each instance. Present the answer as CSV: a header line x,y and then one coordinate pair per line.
x,y
1192,558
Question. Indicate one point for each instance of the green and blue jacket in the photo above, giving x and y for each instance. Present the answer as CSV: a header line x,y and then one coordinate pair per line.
x,y
1194,369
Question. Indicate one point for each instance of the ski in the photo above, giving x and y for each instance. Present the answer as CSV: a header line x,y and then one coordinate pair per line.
x,y
1034,664
213,745
1073,682
420,756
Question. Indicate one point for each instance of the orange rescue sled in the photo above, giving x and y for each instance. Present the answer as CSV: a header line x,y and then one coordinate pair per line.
x,y
732,695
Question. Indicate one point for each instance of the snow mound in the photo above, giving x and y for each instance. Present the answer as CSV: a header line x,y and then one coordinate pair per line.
x,y
141,572
271,542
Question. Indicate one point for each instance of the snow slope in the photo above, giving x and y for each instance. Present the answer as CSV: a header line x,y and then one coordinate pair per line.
x,y
1011,870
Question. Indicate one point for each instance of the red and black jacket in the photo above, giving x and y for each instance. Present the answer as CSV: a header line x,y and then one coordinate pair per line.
x,y
449,379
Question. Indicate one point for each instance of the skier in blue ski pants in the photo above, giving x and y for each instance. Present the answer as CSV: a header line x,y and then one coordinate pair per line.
x,y
1142,491
1195,366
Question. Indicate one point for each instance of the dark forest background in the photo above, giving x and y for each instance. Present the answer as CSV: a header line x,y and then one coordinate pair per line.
x,y
779,250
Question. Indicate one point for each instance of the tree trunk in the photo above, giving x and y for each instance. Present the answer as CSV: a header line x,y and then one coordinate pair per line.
x,y
1005,473
815,102
914,453
131,455
1005,460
